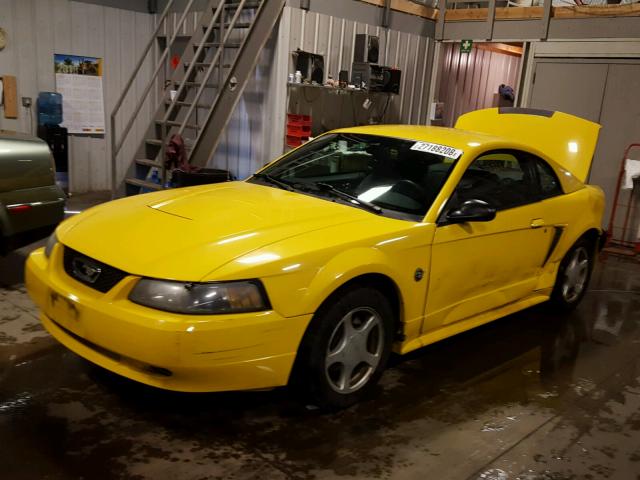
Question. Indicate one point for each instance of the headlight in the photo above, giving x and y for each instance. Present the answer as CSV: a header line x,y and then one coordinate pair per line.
x,y
51,242
201,298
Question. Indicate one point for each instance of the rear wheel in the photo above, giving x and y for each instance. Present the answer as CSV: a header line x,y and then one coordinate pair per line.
x,y
346,348
573,276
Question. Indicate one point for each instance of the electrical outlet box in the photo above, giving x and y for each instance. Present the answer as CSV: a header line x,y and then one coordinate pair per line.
x,y
26,102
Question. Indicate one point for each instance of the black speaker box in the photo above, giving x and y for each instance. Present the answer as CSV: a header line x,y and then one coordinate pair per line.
x,y
376,78
310,65
391,80
367,48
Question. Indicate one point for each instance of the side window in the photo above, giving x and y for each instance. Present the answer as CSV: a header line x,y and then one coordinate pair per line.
x,y
549,183
503,179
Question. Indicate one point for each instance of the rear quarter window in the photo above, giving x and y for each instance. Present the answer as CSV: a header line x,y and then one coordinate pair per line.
x,y
548,180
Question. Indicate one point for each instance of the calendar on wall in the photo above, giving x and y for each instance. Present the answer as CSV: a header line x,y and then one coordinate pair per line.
x,y
79,80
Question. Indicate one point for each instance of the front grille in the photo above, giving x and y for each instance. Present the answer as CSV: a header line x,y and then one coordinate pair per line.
x,y
105,280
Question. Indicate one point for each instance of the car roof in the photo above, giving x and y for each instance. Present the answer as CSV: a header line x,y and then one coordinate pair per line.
x,y
17,136
451,137
465,140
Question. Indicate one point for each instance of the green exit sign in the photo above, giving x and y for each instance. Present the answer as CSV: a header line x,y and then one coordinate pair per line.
x,y
465,46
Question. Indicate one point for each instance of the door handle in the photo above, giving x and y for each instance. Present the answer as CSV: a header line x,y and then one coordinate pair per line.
x,y
537,223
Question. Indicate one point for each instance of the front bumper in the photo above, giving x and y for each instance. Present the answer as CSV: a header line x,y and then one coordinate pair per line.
x,y
165,350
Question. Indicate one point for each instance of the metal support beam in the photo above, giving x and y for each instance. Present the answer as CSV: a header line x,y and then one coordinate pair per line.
x,y
546,18
442,11
238,76
434,79
386,14
491,17
522,72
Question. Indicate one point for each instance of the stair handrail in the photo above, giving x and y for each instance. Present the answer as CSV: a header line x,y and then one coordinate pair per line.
x,y
230,90
209,71
116,145
191,67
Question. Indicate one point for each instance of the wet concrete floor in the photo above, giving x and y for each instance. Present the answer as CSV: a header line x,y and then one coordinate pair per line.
x,y
532,396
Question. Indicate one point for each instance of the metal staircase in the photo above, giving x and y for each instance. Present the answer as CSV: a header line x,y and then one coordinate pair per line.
x,y
216,64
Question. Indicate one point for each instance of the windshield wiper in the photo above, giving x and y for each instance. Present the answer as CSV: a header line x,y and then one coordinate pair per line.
x,y
274,181
347,196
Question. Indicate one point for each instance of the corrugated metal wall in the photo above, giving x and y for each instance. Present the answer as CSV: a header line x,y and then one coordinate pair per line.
x,y
469,81
334,38
241,149
241,146
251,139
39,28
171,23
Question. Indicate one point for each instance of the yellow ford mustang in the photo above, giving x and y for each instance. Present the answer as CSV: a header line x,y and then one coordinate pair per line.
x,y
364,241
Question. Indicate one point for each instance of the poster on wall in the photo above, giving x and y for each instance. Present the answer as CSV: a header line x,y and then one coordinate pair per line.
x,y
79,80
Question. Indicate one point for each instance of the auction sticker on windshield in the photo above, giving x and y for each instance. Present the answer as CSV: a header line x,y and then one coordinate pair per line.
x,y
437,149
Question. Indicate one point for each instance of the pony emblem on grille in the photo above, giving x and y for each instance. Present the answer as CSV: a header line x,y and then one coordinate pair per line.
x,y
85,270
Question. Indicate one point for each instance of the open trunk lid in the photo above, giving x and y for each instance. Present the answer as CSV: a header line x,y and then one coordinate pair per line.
x,y
568,140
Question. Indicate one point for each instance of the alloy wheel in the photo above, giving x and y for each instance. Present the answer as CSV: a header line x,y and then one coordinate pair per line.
x,y
354,350
575,275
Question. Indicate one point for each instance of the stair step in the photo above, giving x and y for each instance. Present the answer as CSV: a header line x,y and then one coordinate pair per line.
x,y
174,123
247,5
197,84
197,64
153,141
218,44
178,37
204,64
187,104
148,163
143,183
238,25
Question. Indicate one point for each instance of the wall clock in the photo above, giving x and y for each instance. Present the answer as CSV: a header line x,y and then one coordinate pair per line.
x,y
3,39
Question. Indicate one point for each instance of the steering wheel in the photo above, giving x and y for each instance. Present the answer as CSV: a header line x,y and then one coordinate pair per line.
x,y
507,181
410,189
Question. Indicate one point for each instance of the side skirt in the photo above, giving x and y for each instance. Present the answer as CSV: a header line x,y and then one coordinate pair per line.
x,y
472,322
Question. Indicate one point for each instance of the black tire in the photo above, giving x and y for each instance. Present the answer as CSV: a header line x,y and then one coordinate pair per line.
x,y
318,381
560,299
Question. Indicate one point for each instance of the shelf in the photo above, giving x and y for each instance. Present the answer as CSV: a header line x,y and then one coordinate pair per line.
x,y
335,89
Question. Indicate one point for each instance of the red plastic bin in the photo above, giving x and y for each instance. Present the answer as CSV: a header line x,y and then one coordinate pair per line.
x,y
298,120
295,141
298,130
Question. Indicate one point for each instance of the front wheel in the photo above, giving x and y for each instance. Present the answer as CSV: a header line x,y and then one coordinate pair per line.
x,y
573,276
346,348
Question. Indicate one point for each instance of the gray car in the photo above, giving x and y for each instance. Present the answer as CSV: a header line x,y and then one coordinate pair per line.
x,y
31,203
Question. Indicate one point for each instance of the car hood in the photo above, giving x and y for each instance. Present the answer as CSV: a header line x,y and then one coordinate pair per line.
x,y
568,140
186,233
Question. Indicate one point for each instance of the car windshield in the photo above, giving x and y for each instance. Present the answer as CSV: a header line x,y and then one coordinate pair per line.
x,y
392,176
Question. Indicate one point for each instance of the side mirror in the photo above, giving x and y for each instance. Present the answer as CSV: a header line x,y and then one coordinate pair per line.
x,y
472,211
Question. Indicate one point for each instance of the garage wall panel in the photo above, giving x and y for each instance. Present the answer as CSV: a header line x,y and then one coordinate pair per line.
x,y
255,133
620,120
469,81
334,38
39,28
606,92
597,80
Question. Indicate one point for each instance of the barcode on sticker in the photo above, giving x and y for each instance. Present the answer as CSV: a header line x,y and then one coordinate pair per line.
x,y
437,149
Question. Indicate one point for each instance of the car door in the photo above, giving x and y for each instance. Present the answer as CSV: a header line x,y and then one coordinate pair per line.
x,y
480,266
557,214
